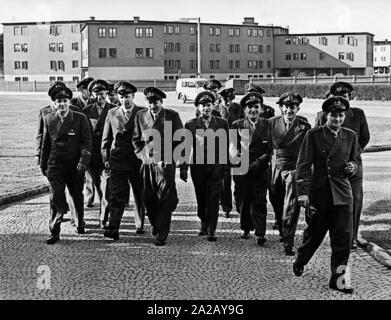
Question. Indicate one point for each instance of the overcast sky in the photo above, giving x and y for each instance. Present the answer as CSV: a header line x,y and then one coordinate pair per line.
x,y
302,16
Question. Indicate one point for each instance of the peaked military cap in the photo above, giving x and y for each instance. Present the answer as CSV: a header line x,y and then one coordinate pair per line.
x,y
290,97
335,104
55,85
328,94
83,84
212,84
124,87
98,85
227,93
204,97
251,98
152,93
61,92
252,87
340,88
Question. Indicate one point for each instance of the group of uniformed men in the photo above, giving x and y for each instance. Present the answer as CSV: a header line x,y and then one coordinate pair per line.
x,y
103,132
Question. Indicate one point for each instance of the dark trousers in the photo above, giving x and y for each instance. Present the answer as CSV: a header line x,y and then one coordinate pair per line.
x,y
160,196
90,189
357,190
59,176
338,220
99,179
226,192
120,182
282,195
207,180
253,211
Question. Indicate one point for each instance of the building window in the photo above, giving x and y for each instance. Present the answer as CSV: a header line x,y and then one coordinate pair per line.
x,y
24,47
249,48
177,64
101,32
16,31
16,47
177,30
231,32
148,32
75,79
350,56
52,78
23,31
75,64
218,47
58,30
25,65
260,64
139,32
112,32
260,48
165,46
75,46
170,29
61,65
139,52
211,47
192,31
171,47
113,53
75,28
165,29
177,47
231,64
52,47
211,64
237,48
17,65
102,53
149,53
295,56
53,65
288,40
237,64
288,56
268,33
352,41
341,40
322,55
25,79
192,47
268,48
249,32
217,64
255,32
231,48
250,64
260,33
341,55
211,31
193,64
269,64
60,47
55,30
17,79
323,41
218,31
237,32
295,40
303,56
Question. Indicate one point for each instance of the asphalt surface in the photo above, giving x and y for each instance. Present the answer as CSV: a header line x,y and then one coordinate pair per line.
x,y
92,267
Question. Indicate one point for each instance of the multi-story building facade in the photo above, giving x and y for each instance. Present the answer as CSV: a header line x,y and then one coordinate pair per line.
x,y
323,54
42,51
382,57
146,50
1,54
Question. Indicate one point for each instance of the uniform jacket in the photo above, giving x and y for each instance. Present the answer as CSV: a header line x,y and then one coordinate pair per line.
x,y
97,123
42,114
259,146
287,143
232,113
200,142
78,102
144,121
322,162
269,112
66,142
117,146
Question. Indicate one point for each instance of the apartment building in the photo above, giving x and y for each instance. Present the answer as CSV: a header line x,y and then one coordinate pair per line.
x,y
147,50
382,57
312,54
42,51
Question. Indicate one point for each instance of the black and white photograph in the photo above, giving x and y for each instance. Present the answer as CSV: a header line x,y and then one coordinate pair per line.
x,y
195,156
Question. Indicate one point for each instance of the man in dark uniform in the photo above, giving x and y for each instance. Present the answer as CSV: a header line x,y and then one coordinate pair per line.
x,y
355,120
112,96
119,157
231,111
207,175
328,157
287,133
160,196
253,185
96,113
82,101
268,111
65,154
213,86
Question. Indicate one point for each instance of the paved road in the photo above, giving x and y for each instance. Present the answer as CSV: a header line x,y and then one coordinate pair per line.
x,y
189,267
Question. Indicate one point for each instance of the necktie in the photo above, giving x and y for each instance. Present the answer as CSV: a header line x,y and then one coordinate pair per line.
x,y
127,115
62,119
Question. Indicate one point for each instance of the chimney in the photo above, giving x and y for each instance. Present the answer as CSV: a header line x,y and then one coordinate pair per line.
x,y
136,19
92,18
249,21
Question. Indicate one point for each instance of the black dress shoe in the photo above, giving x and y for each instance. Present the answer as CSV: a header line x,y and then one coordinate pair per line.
x,y
245,235
347,290
154,232
53,239
80,230
211,238
261,241
111,234
160,243
289,251
140,231
202,233
298,269
226,214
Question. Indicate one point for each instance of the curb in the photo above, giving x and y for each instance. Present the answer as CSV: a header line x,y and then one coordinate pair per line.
x,y
24,194
378,253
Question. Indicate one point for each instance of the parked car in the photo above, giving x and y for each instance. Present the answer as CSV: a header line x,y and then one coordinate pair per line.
x,y
188,88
